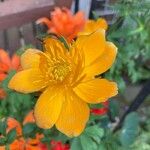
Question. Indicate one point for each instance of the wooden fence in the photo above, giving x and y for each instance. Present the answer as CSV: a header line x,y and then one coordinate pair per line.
x,y
17,20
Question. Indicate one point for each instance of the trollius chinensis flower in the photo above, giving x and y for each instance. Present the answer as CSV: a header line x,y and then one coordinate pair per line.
x,y
67,80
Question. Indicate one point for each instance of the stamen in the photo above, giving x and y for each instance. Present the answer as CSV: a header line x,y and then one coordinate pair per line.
x,y
58,70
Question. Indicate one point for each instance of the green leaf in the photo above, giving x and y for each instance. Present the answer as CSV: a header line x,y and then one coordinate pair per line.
x,y
89,139
3,126
95,133
62,137
114,108
42,36
11,136
87,143
6,81
102,147
142,142
131,25
2,141
76,144
129,130
28,129
63,40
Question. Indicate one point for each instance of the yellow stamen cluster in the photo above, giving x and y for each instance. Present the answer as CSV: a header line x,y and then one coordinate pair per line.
x,y
60,70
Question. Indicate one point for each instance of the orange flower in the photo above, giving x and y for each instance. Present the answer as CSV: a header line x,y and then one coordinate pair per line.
x,y
16,145
64,23
29,118
7,64
12,123
20,143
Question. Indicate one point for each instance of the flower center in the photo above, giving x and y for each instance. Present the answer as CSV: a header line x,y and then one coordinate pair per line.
x,y
59,70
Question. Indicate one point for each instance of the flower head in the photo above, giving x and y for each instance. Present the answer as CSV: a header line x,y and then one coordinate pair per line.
x,y
58,145
101,111
93,25
7,64
55,145
63,23
67,80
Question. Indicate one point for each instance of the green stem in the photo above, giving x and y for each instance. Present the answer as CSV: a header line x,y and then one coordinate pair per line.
x,y
137,30
7,147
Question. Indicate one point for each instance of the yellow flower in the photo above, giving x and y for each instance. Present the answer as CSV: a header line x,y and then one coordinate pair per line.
x,y
93,25
67,80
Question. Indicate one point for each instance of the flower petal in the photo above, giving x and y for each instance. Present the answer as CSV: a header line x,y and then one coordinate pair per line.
x,y
29,118
102,23
54,48
15,62
104,62
79,18
4,57
30,58
89,27
93,45
28,81
48,107
96,90
2,76
92,26
12,123
4,68
74,115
